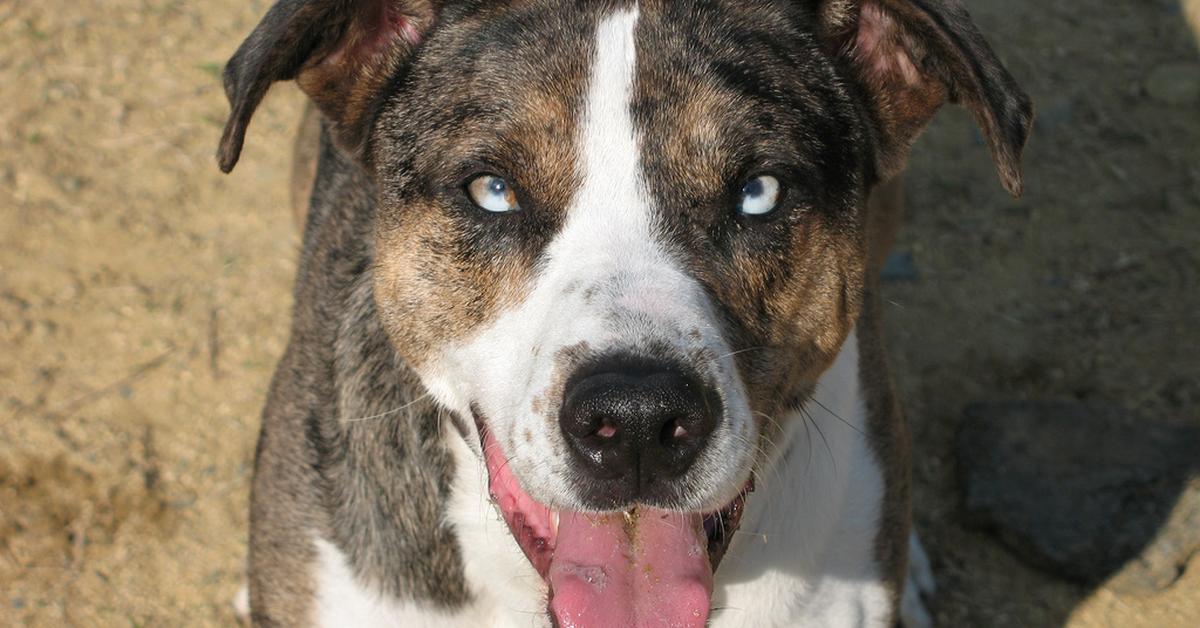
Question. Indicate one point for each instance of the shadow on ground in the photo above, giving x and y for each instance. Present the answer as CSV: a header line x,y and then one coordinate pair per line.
x,y
1073,305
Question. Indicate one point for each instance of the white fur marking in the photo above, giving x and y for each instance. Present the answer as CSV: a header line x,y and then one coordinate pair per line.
x,y
343,601
804,555
502,578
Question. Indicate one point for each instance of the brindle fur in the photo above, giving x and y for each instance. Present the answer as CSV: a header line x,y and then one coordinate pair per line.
x,y
348,449
395,263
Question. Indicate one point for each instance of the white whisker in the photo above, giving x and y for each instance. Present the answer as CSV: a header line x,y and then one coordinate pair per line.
x,y
389,412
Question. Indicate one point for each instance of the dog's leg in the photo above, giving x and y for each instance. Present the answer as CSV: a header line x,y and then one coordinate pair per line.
x,y
883,219
886,210
919,586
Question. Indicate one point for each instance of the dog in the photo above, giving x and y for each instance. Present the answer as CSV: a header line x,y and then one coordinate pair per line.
x,y
587,330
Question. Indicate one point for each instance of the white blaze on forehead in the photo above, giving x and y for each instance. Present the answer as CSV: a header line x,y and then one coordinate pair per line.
x,y
610,214
612,185
609,234
606,231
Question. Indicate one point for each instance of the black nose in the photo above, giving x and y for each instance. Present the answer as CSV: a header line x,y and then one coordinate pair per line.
x,y
636,425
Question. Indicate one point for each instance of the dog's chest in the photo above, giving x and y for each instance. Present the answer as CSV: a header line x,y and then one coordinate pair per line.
x,y
804,556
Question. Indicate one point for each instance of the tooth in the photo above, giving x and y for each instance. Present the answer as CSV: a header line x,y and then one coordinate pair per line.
x,y
554,522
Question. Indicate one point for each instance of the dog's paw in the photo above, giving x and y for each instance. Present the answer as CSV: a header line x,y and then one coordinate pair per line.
x,y
241,604
918,587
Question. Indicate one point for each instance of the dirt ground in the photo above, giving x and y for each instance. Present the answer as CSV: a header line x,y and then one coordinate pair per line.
x,y
144,297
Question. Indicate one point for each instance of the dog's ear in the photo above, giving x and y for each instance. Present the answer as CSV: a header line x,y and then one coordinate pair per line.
x,y
341,52
910,56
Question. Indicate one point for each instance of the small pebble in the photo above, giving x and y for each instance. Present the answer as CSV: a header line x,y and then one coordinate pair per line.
x,y
900,266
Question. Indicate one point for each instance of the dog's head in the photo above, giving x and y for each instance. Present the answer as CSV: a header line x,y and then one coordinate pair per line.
x,y
623,236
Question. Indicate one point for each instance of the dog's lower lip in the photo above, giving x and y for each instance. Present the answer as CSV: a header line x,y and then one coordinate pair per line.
x,y
722,525
719,526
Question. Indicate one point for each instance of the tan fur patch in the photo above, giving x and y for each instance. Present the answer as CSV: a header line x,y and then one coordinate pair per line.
x,y
435,283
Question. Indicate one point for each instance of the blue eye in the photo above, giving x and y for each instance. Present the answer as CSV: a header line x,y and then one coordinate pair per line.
x,y
760,196
493,194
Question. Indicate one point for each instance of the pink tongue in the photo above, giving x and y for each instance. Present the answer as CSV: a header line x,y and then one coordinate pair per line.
x,y
650,570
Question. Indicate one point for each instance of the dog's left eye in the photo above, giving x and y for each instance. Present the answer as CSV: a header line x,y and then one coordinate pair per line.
x,y
760,196
493,194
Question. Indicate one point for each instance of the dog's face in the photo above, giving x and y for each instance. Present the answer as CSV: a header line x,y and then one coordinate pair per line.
x,y
575,193
624,239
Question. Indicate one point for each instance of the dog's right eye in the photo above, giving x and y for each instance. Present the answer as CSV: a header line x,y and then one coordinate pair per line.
x,y
493,194
760,196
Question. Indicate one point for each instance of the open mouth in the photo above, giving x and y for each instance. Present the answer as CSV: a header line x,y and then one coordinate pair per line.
x,y
641,567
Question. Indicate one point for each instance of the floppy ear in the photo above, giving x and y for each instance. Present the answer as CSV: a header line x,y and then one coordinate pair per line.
x,y
911,56
341,52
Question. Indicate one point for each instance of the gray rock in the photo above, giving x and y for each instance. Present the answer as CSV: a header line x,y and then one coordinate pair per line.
x,y
1084,491
1175,83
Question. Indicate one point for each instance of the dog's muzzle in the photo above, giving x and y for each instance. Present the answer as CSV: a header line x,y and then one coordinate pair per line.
x,y
635,427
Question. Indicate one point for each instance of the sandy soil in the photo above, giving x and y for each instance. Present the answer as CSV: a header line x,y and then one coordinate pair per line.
x,y
144,297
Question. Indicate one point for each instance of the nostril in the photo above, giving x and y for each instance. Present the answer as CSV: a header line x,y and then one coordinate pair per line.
x,y
636,423
673,433
607,430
